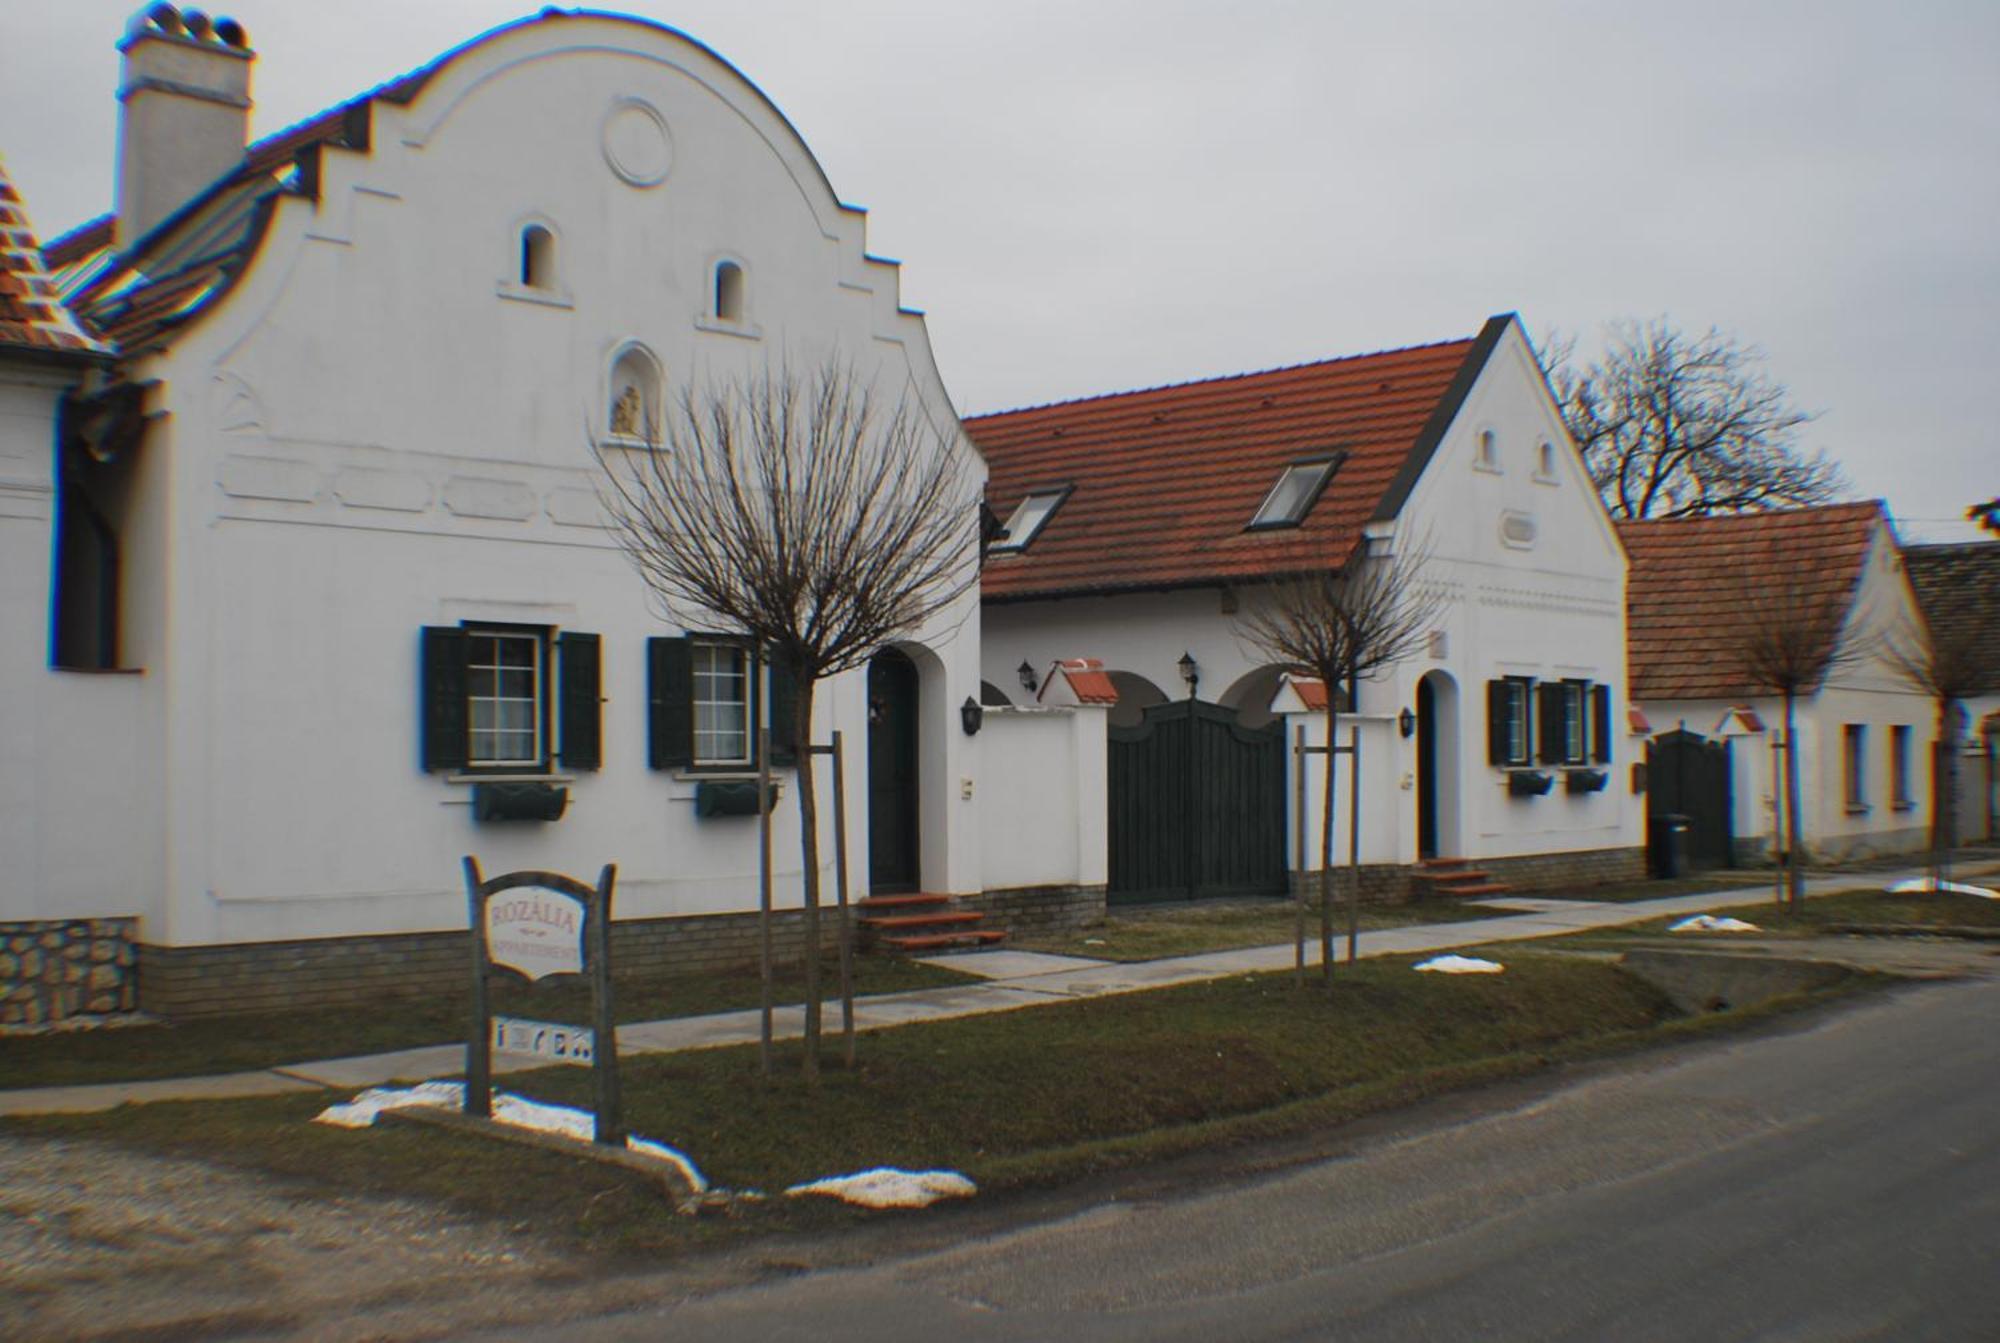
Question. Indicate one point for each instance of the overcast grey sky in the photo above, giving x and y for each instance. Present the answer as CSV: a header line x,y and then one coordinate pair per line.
x,y
1094,196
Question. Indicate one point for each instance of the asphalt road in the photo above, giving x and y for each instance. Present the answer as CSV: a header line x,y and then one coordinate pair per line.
x,y
1839,1181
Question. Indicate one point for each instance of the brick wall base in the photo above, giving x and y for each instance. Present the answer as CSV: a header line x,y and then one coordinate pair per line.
x,y
53,969
1039,909
1389,883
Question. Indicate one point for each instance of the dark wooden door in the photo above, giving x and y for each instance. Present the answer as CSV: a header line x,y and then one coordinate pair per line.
x,y
1197,806
1688,775
892,773
1427,778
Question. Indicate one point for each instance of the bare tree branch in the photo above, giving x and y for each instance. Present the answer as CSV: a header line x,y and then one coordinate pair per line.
x,y
1946,665
805,515
1672,425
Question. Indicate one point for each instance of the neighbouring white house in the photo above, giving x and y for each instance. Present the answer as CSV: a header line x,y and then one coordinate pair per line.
x,y
1958,588
1134,528
309,592
1705,590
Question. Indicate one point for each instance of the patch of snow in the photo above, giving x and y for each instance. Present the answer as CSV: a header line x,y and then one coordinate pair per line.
x,y
1460,965
1709,923
508,1108
887,1187
1932,886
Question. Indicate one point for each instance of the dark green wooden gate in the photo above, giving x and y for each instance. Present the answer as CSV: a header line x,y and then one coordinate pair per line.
x,y
1688,775
1197,806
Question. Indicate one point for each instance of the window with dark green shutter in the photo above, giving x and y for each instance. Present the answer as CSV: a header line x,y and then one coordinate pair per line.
x,y
1600,724
493,697
784,714
444,735
670,703
1509,721
580,691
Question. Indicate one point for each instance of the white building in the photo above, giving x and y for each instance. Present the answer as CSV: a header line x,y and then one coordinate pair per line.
x,y
330,557
1702,592
1138,525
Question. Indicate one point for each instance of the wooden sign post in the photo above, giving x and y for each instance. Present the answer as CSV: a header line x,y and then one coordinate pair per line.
x,y
537,925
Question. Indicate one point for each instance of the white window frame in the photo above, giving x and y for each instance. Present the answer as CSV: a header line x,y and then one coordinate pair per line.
x,y
1576,730
1854,765
706,651
1901,736
1520,728
1025,523
537,641
1313,474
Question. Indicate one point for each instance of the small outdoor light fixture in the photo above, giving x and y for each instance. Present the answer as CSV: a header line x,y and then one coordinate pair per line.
x,y
970,715
1406,723
1027,676
1190,671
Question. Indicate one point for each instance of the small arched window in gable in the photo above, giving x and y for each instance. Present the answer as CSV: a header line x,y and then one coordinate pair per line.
x,y
635,396
729,287
538,258
1546,464
1488,458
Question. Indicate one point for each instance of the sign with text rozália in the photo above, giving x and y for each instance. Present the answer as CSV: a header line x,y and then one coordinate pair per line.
x,y
538,932
539,926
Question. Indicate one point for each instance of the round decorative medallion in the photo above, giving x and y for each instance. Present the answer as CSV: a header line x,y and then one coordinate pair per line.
x,y
636,143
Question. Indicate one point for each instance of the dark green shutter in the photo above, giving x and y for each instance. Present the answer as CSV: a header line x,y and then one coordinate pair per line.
x,y
1600,724
670,703
1499,721
579,685
1552,717
444,727
783,714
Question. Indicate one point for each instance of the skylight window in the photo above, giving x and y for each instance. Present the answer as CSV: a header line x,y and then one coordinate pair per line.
x,y
1290,499
1028,519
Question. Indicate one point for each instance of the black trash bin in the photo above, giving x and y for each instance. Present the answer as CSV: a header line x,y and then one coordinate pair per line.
x,y
1667,837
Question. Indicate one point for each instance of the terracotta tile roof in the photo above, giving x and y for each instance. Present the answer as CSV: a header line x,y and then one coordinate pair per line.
x,y
1310,690
1958,587
1167,479
33,317
1636,720
1684,630
1088,680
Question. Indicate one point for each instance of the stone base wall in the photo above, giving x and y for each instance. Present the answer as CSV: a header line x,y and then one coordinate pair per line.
x,y
1039,909
54,969
1390,883
360,971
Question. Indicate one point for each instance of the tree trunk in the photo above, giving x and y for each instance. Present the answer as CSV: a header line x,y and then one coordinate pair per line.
x,y
809,855
1944,788
1794,880
1326,848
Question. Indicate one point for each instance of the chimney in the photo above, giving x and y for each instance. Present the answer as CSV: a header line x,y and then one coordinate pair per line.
x,y
186,116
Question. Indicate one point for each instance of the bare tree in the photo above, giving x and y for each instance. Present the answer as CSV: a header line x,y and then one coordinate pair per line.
x,y
1945,665
1797,637
1341,626
803,514
1987,515
1672,425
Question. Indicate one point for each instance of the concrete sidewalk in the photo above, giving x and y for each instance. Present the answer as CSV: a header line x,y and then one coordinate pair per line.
x,y
1011,980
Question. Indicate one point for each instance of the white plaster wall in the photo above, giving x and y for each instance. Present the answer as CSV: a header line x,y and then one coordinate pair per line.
x,y
1551,609
374,432
73,808
1388,807
1044,817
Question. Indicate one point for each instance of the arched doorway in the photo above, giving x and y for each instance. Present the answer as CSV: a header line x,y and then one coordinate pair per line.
x,y
1437,766
893,837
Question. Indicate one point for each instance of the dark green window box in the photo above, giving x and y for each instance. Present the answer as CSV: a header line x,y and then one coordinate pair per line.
x,y
1585,780
1529,783
518,801
728,798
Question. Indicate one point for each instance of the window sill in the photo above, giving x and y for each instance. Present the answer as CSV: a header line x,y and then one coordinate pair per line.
x,y
1904,805
741,330
98,671
724,773
1487,469
1857,809
630,441
1547,480
520,293
510,776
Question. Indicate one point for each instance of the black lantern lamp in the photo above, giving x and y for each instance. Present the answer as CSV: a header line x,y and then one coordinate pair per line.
x,y
1406,723
1190,672
1027,674
970,715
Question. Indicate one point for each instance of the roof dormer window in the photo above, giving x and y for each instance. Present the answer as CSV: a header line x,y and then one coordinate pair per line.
x,y
1293,496
1028,519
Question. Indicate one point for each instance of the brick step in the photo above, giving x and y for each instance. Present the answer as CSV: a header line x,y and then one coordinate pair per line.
x,y
868,903
977,937
1480,888
1447,881
886,922
1441,864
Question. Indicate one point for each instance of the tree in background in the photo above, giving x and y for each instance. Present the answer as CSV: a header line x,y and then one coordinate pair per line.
x,y
819,524
1341,626
1945,665
1672,425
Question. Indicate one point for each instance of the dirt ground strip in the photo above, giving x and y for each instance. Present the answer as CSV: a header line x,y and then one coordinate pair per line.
x,y
97,1242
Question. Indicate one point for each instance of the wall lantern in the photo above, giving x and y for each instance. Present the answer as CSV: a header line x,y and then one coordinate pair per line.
x,y
1406,723
970,715
1190,672
1027,674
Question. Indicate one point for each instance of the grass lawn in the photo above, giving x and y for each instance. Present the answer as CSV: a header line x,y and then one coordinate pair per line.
x,y
1150,932
1659,888
1011,1099
242,1043
1871,909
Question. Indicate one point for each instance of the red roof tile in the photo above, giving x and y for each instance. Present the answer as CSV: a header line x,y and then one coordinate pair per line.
x,y
1958,587
1088,680
32,314
1690,606
1167,479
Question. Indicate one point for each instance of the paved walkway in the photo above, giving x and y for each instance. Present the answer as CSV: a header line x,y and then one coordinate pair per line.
x,y
1009,980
